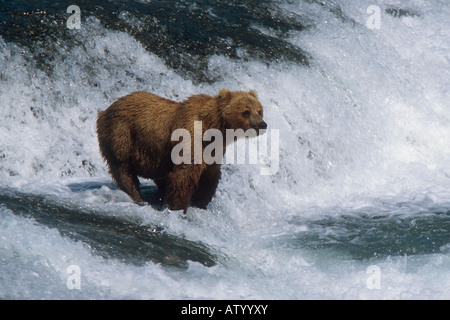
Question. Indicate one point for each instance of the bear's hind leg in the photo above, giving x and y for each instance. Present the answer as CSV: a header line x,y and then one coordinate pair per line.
x,y
128,182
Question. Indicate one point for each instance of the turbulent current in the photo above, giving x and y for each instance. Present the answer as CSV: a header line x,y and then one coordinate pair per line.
x,y
358,208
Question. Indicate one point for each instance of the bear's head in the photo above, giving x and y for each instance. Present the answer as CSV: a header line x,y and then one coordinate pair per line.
x,y
241,110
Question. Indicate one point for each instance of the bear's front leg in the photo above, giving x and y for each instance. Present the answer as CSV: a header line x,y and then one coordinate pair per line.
x,y
207,186
181,184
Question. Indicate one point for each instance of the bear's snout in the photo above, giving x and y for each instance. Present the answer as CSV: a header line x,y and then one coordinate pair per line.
x,y
260,126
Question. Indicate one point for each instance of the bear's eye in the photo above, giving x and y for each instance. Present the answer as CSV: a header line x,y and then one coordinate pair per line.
x,y
260,113
246,113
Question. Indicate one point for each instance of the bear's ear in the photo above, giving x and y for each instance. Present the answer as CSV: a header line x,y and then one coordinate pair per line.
x,y
224,96
253,93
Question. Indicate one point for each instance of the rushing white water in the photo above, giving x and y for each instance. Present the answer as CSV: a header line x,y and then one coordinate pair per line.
x,y
364,174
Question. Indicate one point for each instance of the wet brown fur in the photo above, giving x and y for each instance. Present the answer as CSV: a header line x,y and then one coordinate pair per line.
x,y
135,132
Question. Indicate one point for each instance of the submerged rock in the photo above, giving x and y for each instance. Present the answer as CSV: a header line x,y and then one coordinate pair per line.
x,y
110,237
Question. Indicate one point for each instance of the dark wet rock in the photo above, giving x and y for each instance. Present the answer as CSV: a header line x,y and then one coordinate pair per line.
x,y
183,33
108,236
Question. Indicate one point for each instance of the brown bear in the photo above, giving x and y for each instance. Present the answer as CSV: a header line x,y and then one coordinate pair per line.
x,y
135,139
